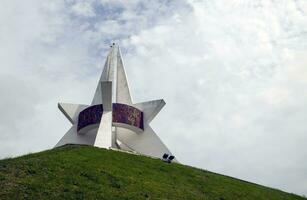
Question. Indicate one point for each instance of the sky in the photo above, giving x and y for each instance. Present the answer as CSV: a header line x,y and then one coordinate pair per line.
x,y
233,74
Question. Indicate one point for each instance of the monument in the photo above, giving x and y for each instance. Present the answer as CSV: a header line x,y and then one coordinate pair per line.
x,y
112,120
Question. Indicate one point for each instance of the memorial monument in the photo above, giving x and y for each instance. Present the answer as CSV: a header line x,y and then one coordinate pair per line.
x,y
112,120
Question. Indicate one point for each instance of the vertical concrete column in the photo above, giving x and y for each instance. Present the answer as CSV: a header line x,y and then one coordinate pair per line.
x,y
104,137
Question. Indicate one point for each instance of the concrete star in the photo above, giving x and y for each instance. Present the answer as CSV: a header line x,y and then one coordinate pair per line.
x,y
113,88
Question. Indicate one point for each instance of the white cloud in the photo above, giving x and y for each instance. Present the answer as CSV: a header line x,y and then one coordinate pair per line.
x,y
83,9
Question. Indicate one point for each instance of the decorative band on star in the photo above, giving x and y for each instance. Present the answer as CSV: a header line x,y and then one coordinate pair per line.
x,y
89,116
122,114
129,115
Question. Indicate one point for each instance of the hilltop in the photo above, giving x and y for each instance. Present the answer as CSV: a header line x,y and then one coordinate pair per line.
x,y
85,172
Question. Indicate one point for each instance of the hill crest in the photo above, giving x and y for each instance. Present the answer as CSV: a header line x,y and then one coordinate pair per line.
x,y
85,172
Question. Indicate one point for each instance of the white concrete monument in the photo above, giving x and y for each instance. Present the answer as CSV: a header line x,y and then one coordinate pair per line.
x,y
112,120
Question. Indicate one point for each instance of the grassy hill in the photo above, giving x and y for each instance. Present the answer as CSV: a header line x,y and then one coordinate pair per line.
x,y
84,172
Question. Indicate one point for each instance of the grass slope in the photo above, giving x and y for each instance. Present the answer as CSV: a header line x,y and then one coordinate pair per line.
x,y
84,172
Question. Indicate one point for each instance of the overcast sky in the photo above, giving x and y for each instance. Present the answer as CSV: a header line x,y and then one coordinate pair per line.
x,y
233,74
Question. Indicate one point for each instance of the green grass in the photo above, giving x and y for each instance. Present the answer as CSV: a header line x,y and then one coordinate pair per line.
x,y
84,172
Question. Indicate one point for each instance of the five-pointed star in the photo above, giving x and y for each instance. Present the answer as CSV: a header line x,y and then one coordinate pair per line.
x,y
113,88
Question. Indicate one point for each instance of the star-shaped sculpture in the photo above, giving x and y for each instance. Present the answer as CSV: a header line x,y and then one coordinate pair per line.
x,y
112,120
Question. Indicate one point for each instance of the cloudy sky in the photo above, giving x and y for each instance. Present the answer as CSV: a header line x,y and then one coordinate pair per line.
x,y
232,72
